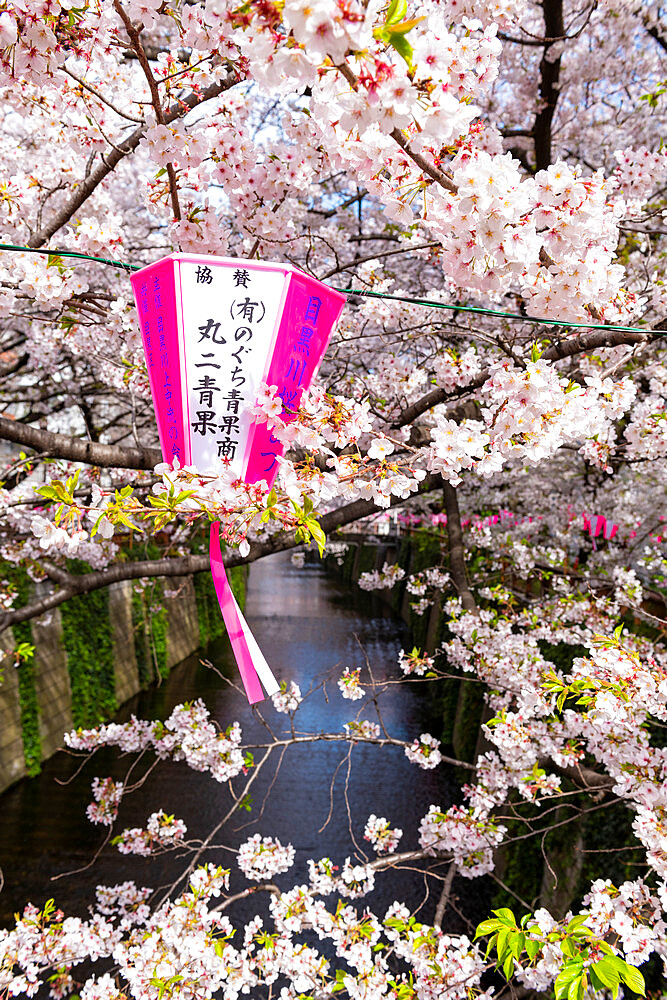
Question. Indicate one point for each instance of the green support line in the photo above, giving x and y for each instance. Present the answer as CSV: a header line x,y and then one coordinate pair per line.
x,y
427,303
72,253
503,315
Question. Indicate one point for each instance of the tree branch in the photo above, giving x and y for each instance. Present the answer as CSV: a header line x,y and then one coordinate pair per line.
x,y
588,341
105,456
187,565
457,565
444,896
137,45
111,160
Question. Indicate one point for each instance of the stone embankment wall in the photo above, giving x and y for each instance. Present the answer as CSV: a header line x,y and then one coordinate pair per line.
x,y
91,655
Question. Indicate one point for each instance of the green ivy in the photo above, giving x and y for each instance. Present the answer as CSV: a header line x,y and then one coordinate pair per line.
x,y
29,708
368,558
209,616
347,568
468,720
88,643
238,577
149,621
562,654
427,550
211,625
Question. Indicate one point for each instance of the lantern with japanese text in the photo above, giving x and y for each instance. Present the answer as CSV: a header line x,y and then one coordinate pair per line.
x,y
214,329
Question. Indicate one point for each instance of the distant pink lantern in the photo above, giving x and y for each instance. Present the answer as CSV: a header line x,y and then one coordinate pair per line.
x,y
214,329
598,525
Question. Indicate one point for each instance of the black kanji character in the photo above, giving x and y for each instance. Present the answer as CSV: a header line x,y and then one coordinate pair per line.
x,y
206,388
204,275
227,449
241,277
204,424
206,334
246,310
233,398
229,424
208,364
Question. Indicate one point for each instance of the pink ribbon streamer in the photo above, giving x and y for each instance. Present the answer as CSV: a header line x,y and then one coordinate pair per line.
x,y
233,620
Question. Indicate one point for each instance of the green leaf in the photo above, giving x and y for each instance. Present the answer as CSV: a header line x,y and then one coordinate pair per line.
x,y
402,46
569,972
318,535
577,921
490,945
486,927
578,987
568,948
508,966
633,978
607,974
517,943
505,916
396,11
532,948
402,28
501,944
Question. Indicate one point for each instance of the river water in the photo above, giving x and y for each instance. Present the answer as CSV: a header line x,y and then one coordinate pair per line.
x,y
310,626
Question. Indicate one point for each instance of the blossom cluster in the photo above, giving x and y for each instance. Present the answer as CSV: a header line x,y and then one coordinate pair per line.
x,y
382,836
349,684
187,735
161,832
424,751
263,857
288,698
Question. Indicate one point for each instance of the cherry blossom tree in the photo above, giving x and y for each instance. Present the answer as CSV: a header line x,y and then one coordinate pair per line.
x,y
465,168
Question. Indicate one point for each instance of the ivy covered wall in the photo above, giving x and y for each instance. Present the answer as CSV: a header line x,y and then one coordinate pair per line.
x,y
75,666
87,640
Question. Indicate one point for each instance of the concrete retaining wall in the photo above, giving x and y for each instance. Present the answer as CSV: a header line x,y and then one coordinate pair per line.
x,y
52,682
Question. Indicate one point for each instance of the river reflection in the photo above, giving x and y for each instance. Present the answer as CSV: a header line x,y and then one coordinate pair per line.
x,y
309,626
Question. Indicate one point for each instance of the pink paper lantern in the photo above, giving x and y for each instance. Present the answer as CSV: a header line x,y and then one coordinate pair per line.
x,y
214,329
598,525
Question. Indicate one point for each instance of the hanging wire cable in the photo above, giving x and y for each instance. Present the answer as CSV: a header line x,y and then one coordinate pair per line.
x,y
427,303
504,315
72,253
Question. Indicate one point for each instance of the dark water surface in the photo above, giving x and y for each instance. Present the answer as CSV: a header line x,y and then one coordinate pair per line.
x,y
309,626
